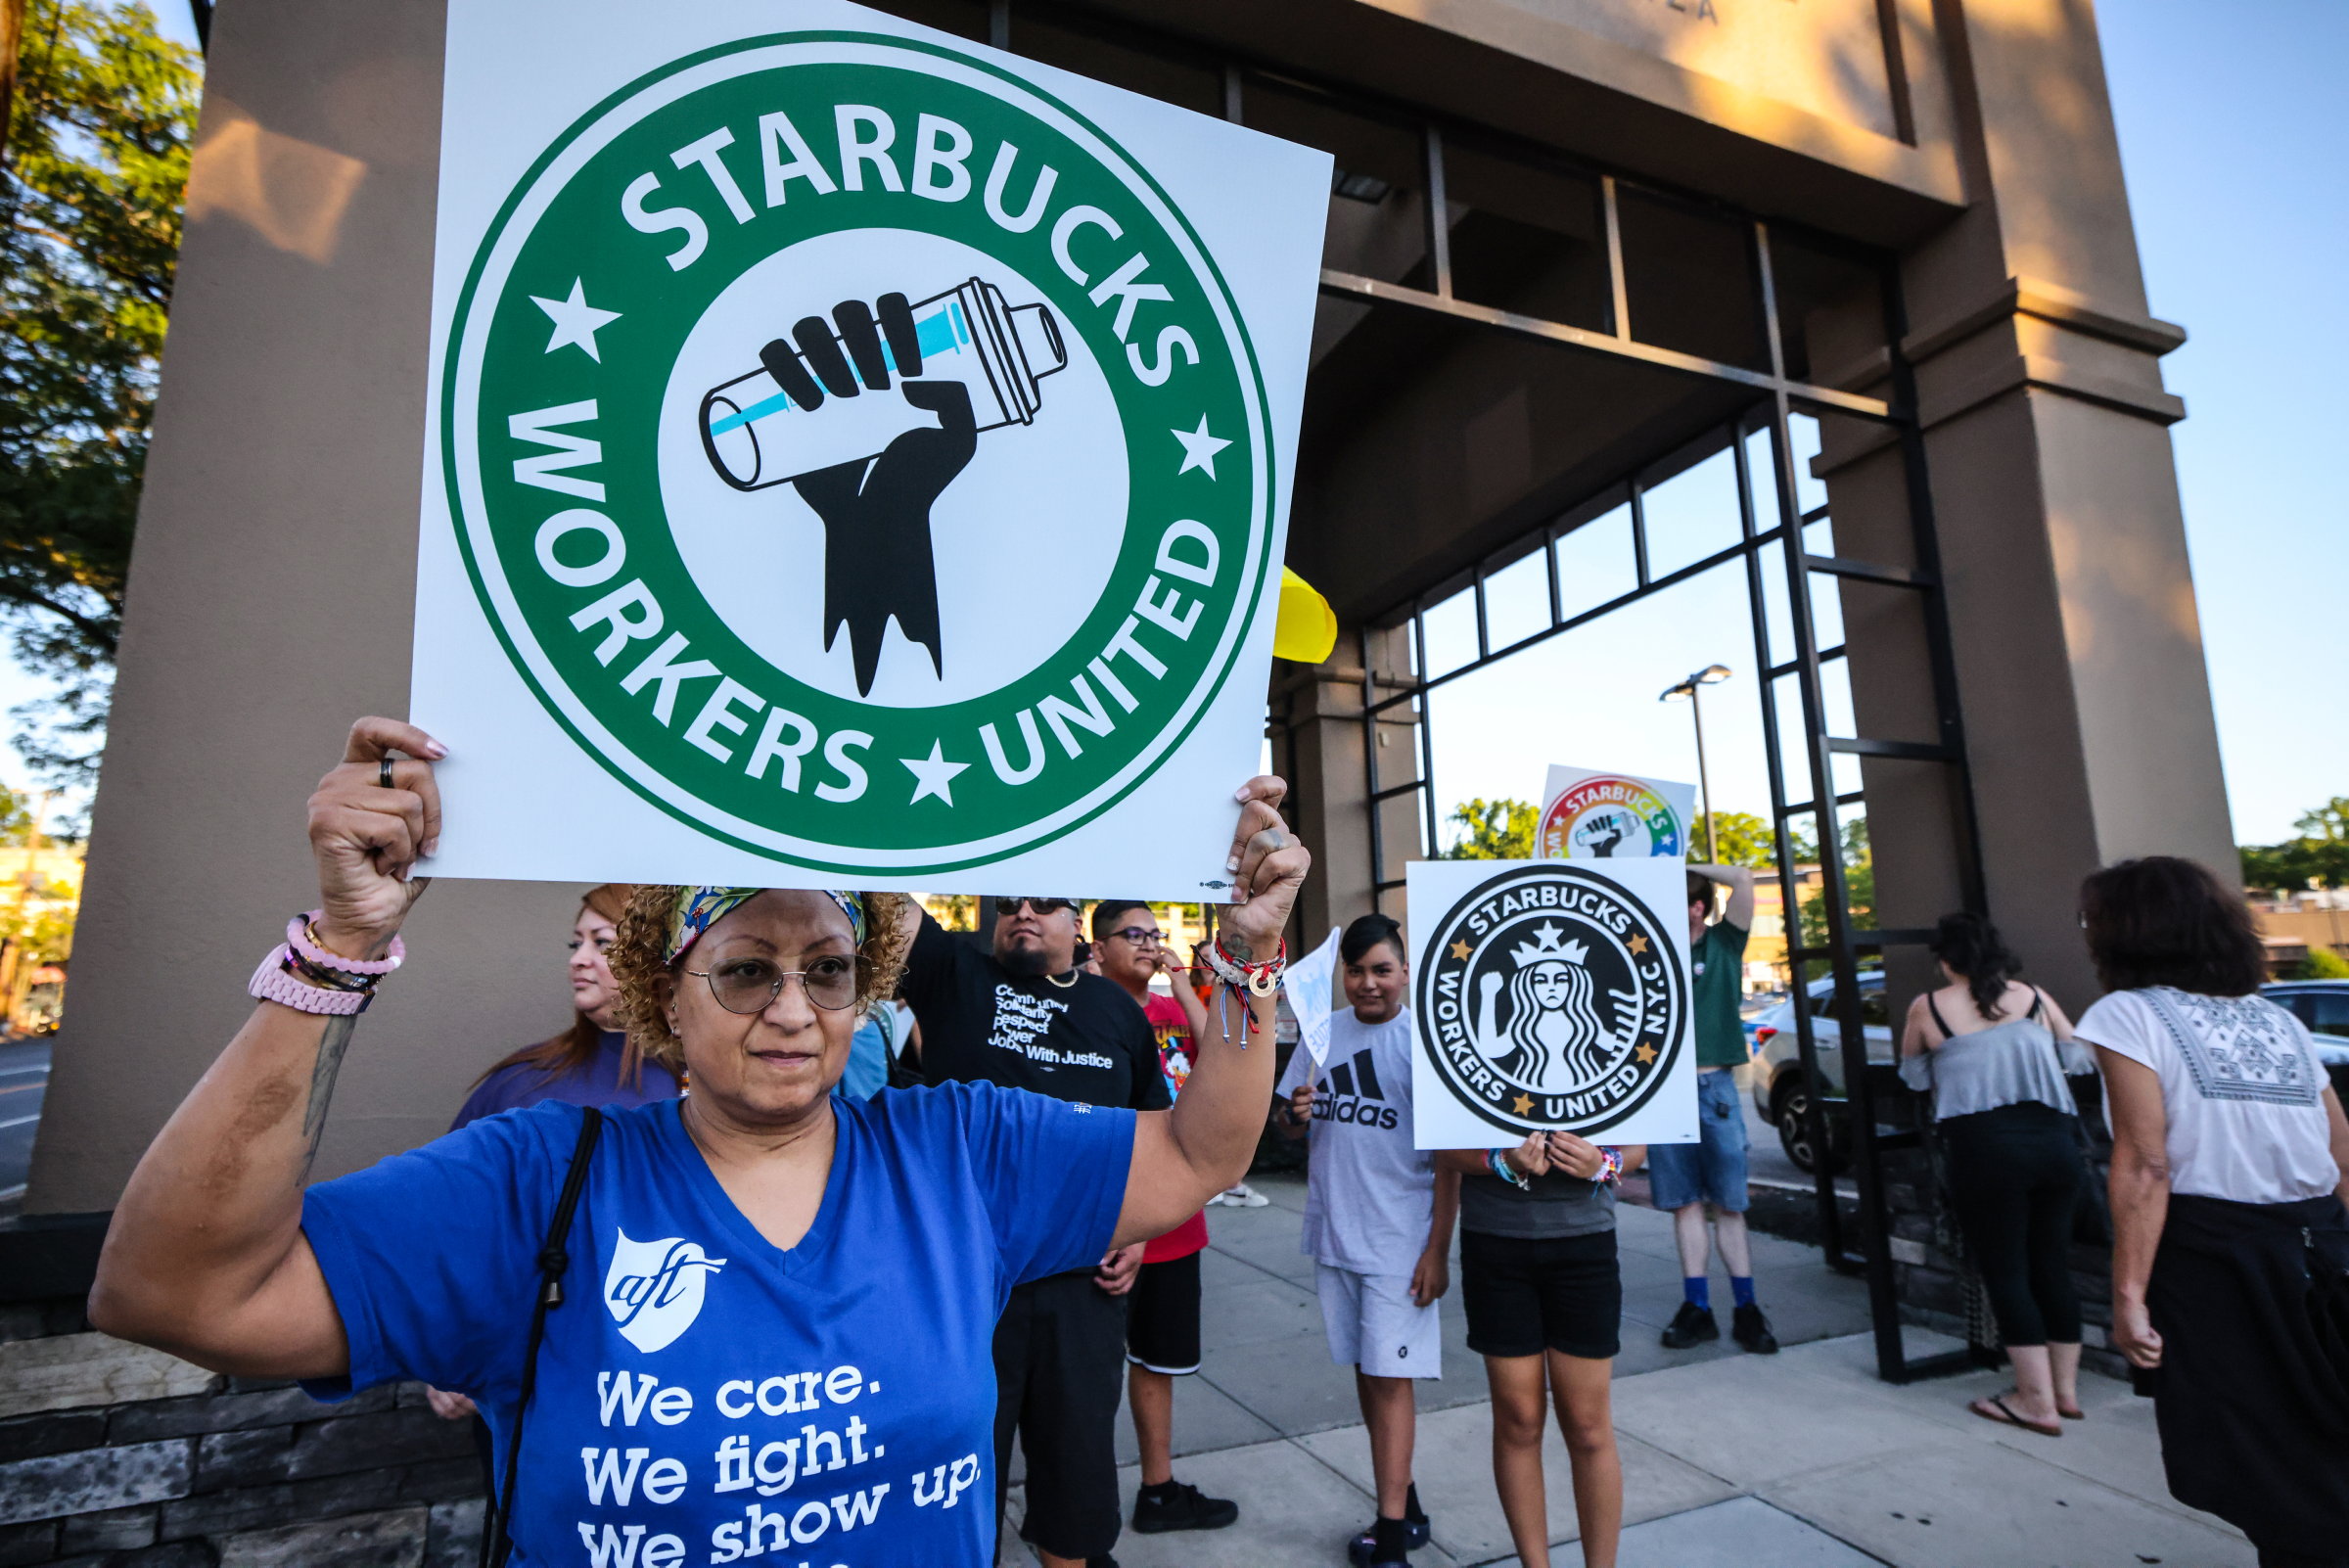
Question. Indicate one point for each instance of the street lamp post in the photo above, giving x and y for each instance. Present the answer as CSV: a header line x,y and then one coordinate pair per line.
x,y
1710,675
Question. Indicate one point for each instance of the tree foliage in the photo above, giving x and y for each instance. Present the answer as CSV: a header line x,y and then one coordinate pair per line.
x,y
2318,857
2323,964
96,167
1499,829
1859,889
1744,839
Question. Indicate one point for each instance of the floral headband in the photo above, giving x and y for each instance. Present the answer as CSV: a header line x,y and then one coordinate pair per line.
x,y
695,909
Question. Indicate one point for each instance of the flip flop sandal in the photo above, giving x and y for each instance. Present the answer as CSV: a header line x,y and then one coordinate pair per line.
x,y
2008,1417
2072,1416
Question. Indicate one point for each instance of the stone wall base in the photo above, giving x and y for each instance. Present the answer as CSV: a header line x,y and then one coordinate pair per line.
x,y
113,1456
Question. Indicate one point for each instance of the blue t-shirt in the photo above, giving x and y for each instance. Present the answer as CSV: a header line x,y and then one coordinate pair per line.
x,y
703,1396
596,1082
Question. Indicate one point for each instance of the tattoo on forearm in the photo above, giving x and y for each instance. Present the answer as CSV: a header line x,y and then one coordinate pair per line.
x,y
331,1048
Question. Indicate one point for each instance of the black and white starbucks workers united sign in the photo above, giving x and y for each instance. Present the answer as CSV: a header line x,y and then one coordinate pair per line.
x,y
852,454
1550,995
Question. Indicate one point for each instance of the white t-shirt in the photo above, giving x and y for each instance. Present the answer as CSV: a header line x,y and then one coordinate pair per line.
x,y
1369,1195
2240,1084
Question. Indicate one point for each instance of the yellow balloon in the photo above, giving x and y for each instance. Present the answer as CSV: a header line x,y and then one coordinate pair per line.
x,y
1306,629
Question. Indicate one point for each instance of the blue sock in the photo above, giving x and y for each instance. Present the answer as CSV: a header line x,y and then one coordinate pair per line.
x,y
1699,1291
1742,1288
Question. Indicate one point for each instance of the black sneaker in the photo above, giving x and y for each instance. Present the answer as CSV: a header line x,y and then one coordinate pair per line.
x,y
1691,1325
1748,1327
1358,1550
1178,1506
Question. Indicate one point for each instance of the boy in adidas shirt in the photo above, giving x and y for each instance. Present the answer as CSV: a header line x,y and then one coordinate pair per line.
x,y
1378,1220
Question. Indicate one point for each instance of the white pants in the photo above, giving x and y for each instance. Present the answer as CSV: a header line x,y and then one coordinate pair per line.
x,y
1374,1324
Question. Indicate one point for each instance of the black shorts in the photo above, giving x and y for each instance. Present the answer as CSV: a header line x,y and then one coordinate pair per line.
x,y
1524,1297
1057,1382
1162,1317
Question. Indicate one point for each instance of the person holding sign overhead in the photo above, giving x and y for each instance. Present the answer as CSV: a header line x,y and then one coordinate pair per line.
x,y
737,1325
1686,1177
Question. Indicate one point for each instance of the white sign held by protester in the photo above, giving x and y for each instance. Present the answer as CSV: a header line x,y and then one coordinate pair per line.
x,y
855,455
1309,985
1592,815
1550,995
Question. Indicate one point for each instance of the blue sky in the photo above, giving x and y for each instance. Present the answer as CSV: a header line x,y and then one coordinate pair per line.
x,y
2232,136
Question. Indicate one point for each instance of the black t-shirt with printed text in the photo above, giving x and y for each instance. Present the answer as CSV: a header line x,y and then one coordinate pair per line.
x,y
1085,1042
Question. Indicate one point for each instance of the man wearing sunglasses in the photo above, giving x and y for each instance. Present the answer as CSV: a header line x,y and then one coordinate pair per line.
x,y
1026,1017
1161,1312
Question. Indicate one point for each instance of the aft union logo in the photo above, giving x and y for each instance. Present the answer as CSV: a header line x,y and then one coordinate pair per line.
x,y
768,365
653,1288
1554,1001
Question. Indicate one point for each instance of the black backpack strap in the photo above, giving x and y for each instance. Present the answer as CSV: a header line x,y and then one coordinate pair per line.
x,y
554,1258
1939,1021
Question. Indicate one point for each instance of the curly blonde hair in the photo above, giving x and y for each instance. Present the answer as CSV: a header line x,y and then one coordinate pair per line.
x,y
637,963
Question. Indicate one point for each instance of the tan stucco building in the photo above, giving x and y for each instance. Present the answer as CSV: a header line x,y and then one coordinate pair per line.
x,y
1876,251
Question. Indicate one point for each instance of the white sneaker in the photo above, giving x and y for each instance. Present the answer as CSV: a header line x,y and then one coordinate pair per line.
x,y
1242,1197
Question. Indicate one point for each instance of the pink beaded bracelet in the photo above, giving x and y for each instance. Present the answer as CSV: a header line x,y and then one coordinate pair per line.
x,y
300,936
273,982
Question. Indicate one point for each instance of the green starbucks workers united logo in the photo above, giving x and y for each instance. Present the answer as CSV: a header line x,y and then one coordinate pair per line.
x,y
858,453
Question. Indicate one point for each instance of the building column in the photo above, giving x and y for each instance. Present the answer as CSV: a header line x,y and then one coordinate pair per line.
x,y
2077,649
1330,787
271,593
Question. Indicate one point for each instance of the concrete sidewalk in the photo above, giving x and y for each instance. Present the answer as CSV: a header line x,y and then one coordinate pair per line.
x,y
1800,1461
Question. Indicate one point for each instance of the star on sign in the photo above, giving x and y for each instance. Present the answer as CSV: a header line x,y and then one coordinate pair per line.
x,y
576,322
1647,1054
1199,448
1461,950
1523,1105
1639,945
935,775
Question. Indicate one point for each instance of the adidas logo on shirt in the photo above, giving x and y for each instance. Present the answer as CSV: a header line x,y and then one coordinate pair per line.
x,y
1354,1095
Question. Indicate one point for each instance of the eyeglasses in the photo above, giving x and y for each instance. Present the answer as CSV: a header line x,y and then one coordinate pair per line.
x,y
1006,908
1139,936
750,984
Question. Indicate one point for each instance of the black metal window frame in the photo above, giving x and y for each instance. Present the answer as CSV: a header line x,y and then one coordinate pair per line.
x,y
1865,1092
1777,399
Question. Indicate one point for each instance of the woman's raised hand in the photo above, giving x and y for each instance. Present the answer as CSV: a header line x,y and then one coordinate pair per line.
x,y
1267,866
367,837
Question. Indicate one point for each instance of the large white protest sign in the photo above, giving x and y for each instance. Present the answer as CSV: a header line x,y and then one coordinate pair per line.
x,y
1592,815
854,454
1550,995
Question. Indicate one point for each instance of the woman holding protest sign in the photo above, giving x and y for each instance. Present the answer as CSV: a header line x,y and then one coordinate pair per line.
x,y
1544,1292
763,1314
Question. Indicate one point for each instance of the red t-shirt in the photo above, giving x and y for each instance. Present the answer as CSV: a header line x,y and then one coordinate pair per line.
x,y
1177,1050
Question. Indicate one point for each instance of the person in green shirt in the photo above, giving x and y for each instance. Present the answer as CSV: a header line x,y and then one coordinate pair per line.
x,y
1686,1177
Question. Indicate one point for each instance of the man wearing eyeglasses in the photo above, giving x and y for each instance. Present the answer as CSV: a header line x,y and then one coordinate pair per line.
x,y
1162,1314
1026,1017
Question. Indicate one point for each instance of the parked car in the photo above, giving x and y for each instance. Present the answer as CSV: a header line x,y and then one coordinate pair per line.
x,y
2324,1007
1781,1092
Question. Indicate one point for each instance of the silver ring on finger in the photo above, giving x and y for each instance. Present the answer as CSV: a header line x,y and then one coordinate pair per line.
x,y
383,774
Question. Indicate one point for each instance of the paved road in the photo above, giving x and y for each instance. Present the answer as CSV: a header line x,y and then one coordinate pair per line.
x,y
23,1084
